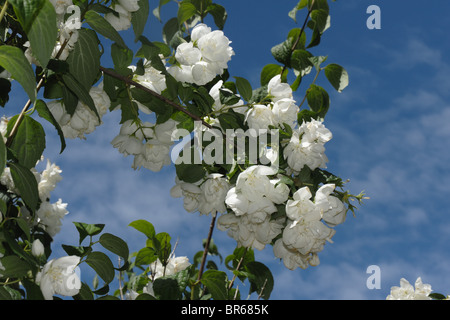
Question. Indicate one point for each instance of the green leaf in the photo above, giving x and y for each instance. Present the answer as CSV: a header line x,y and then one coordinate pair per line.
x,y
282,52
139,18
170,29
166,289
13,60
318,100
102,265
122,57
190,173
81,92
216,283
5,89
260,278
244,87
301,62
186,11
14,267
115,245
268,72
84,59
25,182
337,76
102,26
43,33
161,242
29,141
300,5
85,229
45,113
321,20
219,14
146,256
26,11
144,226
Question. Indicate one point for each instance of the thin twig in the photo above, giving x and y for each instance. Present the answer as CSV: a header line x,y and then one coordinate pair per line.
x,y
205,252
120,280
237,269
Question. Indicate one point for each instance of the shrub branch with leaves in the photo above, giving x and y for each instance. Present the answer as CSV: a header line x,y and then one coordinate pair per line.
x,y
172,89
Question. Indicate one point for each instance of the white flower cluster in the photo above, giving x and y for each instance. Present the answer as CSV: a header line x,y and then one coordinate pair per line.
x,y
149,143
306,146
308,226
84,120
206,196
280,112
203,58
253,201
49,215
406,291
121,18
158,270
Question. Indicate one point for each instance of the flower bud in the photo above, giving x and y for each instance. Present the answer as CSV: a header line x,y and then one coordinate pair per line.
x,y
37,248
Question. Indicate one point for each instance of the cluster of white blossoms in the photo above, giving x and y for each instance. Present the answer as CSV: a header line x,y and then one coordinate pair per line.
x,y
203,58
406,291
158,270
149,143
49,215
280,112
206,196
308,226
121,18
84,120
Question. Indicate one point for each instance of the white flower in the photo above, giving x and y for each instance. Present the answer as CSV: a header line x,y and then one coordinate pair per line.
x,y
59,277
306,146
215,48
203,72
50,216
37,248
199,31
292,259
153,155
187,54
214,190
191,192
278,90
406,291
174,265
182,73
285,111
49,177
332,209
130,5
152,78
251,230
84,120
123,21
61,5
260,117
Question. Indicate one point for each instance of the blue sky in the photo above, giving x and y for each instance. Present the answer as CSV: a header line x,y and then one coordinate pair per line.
x,y
390,138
